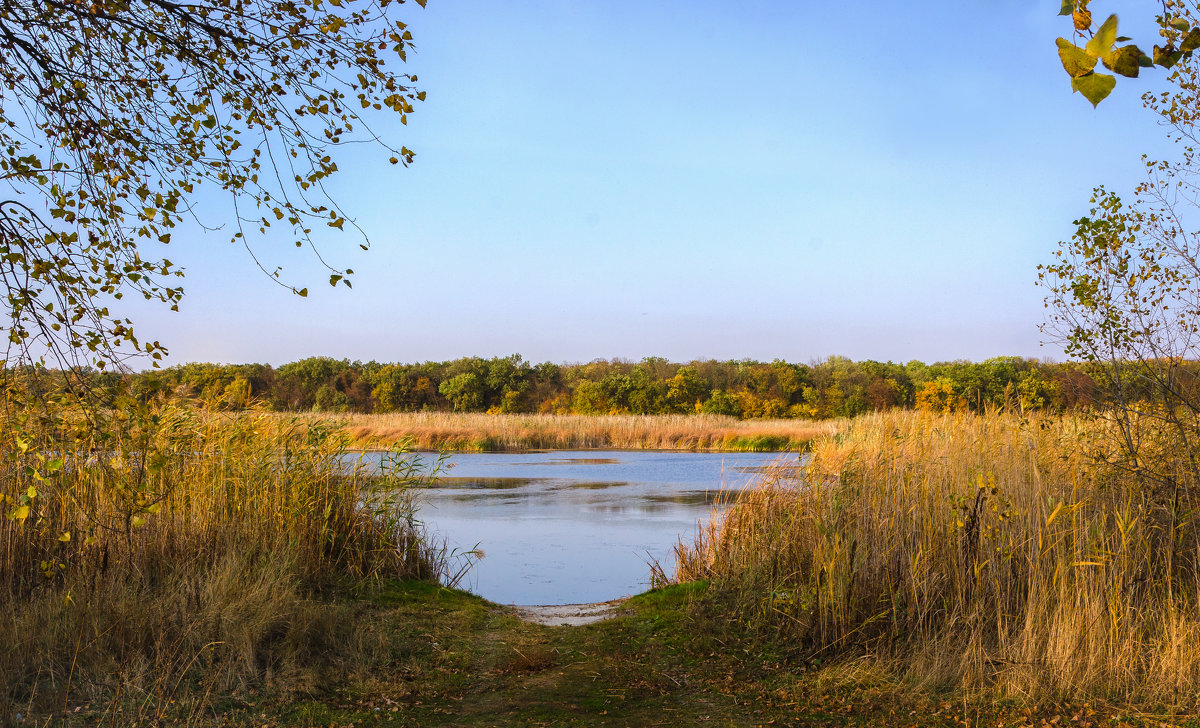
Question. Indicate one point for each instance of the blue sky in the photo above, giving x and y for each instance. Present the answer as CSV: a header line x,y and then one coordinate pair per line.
x,y
696,179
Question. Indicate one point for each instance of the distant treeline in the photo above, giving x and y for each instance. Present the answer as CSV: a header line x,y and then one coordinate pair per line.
x,y
835,387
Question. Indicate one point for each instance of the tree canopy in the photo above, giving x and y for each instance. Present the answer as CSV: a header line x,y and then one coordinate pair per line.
x,y
114,112
1124,291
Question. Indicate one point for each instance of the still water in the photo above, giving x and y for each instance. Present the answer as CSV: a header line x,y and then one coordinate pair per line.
x,y
568,527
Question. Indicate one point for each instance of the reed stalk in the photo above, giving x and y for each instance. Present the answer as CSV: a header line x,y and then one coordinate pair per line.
x,y
988,552
152,546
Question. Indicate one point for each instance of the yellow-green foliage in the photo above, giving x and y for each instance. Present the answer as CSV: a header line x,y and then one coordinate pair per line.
x,y
140,546
987,551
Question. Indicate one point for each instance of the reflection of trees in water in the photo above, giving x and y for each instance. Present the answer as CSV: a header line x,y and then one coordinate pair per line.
x,y
482,483
582,461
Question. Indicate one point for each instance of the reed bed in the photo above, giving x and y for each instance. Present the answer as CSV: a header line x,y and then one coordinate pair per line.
x,y
987,553
150,555
499,432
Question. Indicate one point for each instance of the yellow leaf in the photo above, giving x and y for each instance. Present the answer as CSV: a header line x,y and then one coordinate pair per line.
x,y
20,513
65,537
138,521
32,492
1057,508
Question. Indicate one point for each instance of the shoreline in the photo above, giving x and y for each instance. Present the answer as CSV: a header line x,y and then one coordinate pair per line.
x,y
499,433
535,450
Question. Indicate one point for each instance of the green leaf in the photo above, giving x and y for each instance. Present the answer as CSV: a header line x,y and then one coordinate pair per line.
x,y
1068,7
1166,57
1094,86
1102,42
1075,60
1125,60
1179,24
1191,41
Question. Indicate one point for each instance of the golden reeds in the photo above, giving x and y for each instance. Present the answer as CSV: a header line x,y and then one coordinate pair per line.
x,y
987,552
477,431
162,546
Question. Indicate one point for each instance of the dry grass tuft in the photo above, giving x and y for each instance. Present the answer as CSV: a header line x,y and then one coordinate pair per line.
x,y
984,552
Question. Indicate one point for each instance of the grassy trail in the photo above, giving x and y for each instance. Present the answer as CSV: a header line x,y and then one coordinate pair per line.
x,y
470,663
451,659
440,657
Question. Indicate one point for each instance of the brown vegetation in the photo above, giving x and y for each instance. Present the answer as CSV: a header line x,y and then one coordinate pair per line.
x,y
162,548
477,431
989,553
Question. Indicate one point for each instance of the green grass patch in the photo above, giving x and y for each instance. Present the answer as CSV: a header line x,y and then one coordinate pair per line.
x,y
430,656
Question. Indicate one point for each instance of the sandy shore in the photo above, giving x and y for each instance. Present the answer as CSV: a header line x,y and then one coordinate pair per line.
x,y
570,615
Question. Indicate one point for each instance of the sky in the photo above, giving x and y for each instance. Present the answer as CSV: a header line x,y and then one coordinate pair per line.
x,y
692,179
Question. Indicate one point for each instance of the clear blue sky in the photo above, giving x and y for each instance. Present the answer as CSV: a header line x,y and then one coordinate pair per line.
x,y
694,179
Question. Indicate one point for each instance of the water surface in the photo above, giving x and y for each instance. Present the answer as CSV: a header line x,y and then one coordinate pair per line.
x,y
568,527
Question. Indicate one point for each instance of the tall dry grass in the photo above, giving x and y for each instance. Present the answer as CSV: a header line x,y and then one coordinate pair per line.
x,y
987,552
478,431
153,555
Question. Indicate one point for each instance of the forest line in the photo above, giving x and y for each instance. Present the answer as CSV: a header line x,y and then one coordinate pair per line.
x,y
831,388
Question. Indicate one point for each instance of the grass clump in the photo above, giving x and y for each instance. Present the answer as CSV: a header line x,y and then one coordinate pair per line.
x,y
988,553
162,554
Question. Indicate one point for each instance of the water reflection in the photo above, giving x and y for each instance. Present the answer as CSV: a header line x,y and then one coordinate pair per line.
x,y
583,461
781,469
591,486
445,483
569,527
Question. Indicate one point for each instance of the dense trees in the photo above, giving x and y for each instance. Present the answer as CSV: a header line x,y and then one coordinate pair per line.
x,y
835,387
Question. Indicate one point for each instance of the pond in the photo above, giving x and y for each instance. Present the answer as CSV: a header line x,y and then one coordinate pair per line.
x,y
568,527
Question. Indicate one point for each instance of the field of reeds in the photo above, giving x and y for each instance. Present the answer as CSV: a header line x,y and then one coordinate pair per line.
x,y
156,555
501,432
989,554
